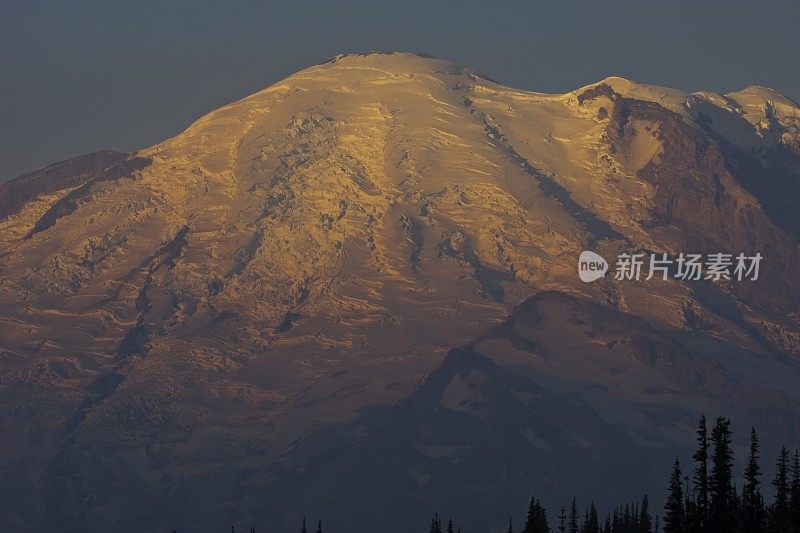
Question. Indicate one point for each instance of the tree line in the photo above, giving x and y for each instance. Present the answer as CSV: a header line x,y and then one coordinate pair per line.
x,y
707,501
710,501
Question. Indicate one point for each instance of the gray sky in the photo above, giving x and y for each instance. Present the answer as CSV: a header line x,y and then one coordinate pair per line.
x,y
86,75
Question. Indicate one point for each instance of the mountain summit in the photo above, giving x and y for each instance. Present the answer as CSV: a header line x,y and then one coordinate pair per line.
x,y
205,322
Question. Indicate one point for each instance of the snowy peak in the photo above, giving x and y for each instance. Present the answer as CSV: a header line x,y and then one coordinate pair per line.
x,y
300,257
670,98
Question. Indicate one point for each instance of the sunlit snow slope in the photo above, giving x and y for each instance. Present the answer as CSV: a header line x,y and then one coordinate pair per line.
x,y
188,330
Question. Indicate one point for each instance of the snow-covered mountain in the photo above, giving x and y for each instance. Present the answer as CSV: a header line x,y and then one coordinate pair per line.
x,y
236,325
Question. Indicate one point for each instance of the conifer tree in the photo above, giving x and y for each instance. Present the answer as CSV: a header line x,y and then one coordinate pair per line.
x,y
779,514
436,524
530,517
510,526
752,501
616,521
645,520
627,523
585,524
573,516
701,481
319,526
304,529
674,512
690,513
594,521
794,499
562,521
536,521
722,494
450,528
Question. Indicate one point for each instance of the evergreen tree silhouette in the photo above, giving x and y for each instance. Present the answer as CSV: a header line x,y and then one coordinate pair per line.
x,y
585,524
794,500
627,521
562,521
691,514
616,521
304,529
752,500
536,520
591,522
319,526
510,526
436,524
450,528
674,512
723,497
779,514
701,481
645,520
573,516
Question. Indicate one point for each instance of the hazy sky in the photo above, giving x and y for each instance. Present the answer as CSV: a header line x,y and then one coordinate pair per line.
x,y
81,76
